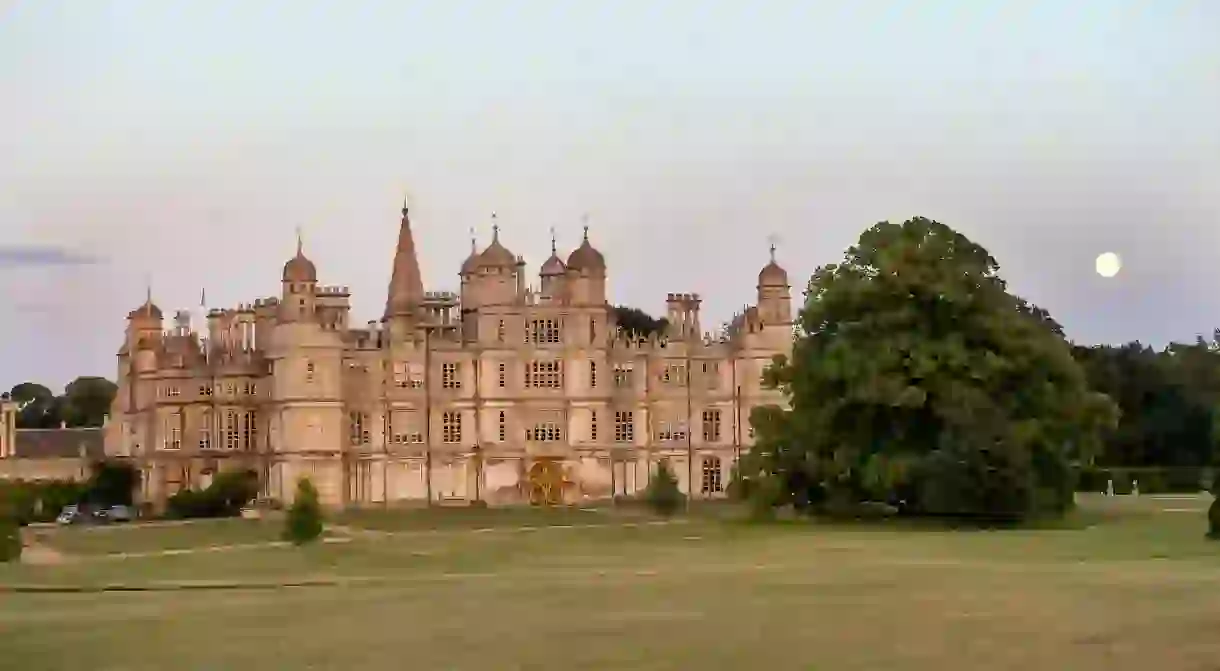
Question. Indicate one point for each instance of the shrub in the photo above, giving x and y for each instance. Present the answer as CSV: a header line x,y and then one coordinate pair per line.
x,y
229,492
304,523
663,495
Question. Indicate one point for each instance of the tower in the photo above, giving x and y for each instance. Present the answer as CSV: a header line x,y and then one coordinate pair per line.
x,y
406,290
306,408
587,274
300,281
775,304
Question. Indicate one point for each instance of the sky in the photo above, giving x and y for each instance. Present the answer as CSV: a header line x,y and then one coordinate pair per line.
x,y
179,145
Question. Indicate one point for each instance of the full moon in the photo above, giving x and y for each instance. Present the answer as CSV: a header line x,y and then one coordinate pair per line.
x,y
1108,264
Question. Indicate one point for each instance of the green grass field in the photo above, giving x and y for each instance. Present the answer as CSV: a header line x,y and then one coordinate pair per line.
x,y
1132,587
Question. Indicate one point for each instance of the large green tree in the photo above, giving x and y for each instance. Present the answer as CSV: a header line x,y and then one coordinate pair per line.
x,y
917,379
85,402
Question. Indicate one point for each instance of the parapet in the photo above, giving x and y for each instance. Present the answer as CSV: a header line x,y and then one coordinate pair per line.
x,y
682,298
333,291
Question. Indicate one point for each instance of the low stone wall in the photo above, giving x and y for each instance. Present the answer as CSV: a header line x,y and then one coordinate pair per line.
x,y
44,469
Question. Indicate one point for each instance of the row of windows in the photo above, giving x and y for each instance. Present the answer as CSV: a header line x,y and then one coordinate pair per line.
x,y
236,431
231,389
624,429
543,331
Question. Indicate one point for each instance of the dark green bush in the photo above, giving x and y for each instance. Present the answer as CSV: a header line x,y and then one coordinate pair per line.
x,y
229,492
304,521
663,494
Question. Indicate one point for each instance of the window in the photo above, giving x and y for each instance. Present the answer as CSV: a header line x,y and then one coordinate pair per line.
x,y
173,391
540,331
711,375
674,374
402,378
711,426
593,426
451,427
622,375
449,376
503,425
544,374
231,389
172,439
358,428
310,369
230,430
205,390
711,476
671,430
500,331
250,432
546,432
593,375
502,374
254,389
624,427
205,432
592,330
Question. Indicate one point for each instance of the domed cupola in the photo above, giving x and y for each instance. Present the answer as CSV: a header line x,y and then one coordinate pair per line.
x,y
471,265
497,255
299,268
772,274
586,258
553,266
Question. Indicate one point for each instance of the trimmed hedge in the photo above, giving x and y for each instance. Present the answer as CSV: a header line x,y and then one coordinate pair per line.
x,y
1167,480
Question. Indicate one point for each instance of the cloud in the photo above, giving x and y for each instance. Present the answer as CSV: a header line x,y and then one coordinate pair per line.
x,y
46,255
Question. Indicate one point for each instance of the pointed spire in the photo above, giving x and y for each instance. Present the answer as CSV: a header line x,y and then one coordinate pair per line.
x,y
584,220
147,288
474,242
203,298
495,229
300,242
554,247
772,239
406,290
404,204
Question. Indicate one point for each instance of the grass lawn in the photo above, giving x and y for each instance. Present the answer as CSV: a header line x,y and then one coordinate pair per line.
x,y
139,538
1135,591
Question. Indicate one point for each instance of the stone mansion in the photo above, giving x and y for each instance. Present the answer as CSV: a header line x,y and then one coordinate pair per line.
x,y
503,393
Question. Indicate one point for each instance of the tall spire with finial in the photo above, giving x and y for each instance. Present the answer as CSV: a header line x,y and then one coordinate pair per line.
x,y
406,290
148,288
584,221
495,228
300,242
554,246
474,242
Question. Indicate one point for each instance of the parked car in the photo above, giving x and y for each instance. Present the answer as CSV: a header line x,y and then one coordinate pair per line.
x,y
81,514
120,514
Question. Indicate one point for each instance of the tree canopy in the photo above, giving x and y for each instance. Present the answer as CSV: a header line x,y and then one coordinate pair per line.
x,y
85,402
917,379
637,323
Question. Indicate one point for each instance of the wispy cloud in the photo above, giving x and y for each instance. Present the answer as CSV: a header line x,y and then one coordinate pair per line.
x,y
43,255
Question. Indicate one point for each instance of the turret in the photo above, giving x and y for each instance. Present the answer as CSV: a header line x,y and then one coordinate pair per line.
x,y
586,274
552,274
300,279
406,291
774,297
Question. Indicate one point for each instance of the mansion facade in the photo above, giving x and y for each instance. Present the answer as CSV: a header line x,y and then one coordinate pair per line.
x,y
502,393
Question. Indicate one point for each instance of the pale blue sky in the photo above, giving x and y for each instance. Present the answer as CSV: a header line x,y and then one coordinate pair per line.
x,y
187,140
